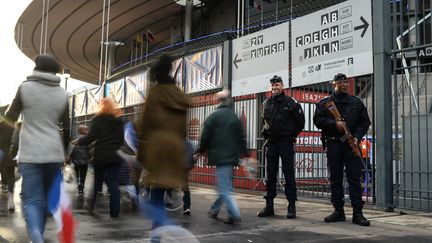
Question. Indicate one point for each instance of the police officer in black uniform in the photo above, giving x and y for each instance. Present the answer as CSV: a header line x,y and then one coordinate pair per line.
x,y
283,121
339,152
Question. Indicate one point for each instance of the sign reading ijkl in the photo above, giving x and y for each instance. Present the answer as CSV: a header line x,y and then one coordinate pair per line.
x,y
258,57
334,40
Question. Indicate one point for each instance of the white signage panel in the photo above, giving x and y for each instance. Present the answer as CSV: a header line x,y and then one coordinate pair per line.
x,y
257,58
334,40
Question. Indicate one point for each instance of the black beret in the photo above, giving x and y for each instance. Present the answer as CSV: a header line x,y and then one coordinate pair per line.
x,y
276,79
339,77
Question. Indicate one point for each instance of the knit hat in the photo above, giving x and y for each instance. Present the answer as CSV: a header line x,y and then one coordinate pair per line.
x,y
46,63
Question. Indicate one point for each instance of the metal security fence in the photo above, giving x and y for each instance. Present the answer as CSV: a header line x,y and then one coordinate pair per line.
x,y
412,99
312,175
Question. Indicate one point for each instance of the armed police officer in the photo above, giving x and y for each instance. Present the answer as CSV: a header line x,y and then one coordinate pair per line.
x,y
283,120
355,122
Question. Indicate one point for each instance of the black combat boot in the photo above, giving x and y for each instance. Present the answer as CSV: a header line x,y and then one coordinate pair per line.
x,y
336,216
268,210
291,210
358,217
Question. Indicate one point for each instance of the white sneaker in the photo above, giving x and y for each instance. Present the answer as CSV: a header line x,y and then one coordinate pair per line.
x,y
11,203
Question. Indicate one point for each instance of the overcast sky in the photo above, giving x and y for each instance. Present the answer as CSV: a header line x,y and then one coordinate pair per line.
x,y
14,65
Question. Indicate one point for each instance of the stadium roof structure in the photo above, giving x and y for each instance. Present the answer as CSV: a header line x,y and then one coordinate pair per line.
x,y
73,29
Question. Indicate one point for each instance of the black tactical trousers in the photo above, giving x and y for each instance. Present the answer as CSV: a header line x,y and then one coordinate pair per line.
x,y
285,150
340,155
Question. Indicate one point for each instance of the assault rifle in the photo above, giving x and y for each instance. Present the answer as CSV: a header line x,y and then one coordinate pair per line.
x,y
266,133
331,106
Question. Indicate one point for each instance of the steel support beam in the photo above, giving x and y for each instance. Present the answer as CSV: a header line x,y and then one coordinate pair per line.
x,y
188,19
382,43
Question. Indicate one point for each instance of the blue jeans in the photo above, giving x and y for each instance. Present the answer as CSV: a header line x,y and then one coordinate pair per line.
x,y
158,207
37,180
224,175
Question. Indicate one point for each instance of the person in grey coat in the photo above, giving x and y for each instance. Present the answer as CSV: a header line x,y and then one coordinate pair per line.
x,y
224,141
44,105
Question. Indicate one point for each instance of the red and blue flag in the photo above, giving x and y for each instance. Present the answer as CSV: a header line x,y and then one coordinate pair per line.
x,y
60,206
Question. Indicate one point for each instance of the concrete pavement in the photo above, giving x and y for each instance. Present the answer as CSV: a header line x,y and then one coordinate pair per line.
x,y
307,227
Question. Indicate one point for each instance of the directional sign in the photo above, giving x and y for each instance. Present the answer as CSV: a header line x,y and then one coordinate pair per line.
x,y
257,58
236,60
364,26
420,53
337,39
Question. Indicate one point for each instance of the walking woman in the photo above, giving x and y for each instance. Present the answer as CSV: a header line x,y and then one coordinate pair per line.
x,y
107,130
163,132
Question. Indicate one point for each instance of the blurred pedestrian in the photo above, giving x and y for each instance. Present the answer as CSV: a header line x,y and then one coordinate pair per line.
x,y
44,105
107,131
131,148
7,163
224,141
5,133
162,136
129,166
190,164
80,157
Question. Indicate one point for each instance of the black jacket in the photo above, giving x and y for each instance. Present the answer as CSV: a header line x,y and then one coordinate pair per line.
x,y
284,118
80,154
5,141
107,131
352,110
223,137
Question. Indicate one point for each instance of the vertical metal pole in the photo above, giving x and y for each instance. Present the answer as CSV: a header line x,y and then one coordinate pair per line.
x,y
42,27
46,26
102,44
242,16
72,124
147,46
290,51
238,18
227,64
188,19
125,92
383,122
111,48
248,17
22,36
203,23
131,54
262,14
106,42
